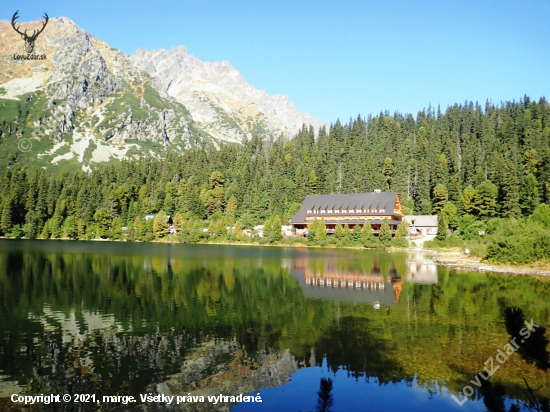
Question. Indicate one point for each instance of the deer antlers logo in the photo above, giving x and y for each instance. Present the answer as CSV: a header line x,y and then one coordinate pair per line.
x,y
29,40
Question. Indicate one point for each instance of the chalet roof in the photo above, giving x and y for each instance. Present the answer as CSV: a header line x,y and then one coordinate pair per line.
x,y
422,221
370,200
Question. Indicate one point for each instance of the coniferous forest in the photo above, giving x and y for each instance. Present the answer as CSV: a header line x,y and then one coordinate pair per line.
x,y
484,169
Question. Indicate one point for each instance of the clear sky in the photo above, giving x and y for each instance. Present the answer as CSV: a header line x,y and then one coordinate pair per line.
x,y
336,59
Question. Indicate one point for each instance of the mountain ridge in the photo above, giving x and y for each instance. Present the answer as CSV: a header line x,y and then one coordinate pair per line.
x,y
94,104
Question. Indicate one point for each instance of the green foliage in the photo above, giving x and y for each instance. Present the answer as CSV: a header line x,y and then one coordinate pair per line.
x,y
402,230
442,228
385,235
102,219
542,215
432,161
440,198
367,237
232,206
321,231
529,194
485,200
272,229
339,231
451,215
160,225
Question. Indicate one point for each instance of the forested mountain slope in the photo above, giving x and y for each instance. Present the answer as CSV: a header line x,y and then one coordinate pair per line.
x,y
484,162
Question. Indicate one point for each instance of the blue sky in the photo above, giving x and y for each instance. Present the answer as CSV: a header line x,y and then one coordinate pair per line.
x,y
336,59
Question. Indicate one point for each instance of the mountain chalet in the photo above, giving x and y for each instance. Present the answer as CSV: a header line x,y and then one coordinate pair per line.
x,y
349,209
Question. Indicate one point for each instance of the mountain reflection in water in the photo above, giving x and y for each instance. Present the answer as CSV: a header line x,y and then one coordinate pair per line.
x,y
120,318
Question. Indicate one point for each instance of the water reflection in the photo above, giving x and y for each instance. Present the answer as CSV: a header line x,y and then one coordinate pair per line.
x,y
328,279
94,317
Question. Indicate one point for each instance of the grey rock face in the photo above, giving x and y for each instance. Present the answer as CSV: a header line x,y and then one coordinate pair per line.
x,y
218,96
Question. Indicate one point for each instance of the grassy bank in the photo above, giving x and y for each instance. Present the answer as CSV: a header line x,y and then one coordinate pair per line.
x,y
502,241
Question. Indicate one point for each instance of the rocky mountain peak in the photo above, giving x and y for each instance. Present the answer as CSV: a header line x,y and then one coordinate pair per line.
x,y
92,103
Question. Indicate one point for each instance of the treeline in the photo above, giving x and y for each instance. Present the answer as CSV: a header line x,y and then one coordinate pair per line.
x,y
468,161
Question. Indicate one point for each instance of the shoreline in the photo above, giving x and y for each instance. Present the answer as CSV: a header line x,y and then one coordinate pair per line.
x,y
462,262
452,258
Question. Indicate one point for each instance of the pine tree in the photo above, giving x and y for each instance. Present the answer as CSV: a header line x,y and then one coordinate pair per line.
x,y
388,172
385,232
451,215
6,223
347,232
402,230
232,206
440,198
169,204
339,231
81,229
32,225
442,230
529,197
321,230
367,234
356,233
216,180
160,225
468,205
70,229
312,228
178,222
102,219
312,183
485,200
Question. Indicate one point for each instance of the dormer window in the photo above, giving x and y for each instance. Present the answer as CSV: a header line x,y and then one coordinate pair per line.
x,y
343,210
329,211
323,211
382,210
336,210
309,211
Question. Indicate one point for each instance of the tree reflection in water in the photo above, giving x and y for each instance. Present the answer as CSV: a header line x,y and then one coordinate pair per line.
x,y
117,318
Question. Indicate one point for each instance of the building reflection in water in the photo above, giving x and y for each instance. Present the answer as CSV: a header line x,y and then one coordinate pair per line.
x,y
335,280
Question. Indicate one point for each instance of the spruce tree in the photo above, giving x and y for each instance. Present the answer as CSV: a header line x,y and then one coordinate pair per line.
x,y
102,219
232,206
178,222
160,225
339,231
367,234
529,197
468,205
6,222
440,198
485,200
321,230
385,235
402,230
442,230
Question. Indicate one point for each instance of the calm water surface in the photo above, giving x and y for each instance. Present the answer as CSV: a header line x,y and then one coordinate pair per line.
x,y
393,330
